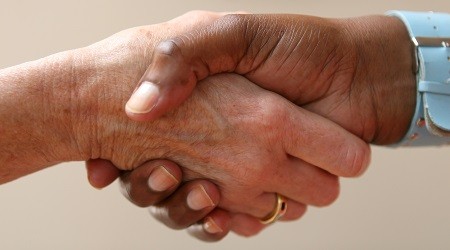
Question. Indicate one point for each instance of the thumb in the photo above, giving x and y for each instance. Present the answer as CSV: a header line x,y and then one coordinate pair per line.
x,y
179,63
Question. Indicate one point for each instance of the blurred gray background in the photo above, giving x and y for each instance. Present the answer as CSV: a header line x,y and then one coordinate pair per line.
x,y
402,202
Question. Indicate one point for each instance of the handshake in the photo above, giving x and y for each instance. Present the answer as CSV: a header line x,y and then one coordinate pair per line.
x,y
238,119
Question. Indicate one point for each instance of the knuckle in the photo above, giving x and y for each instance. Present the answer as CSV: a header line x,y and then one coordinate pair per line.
x,y
135,199
247,29
165,216
235,20
178,218
272,112
237,23
267,120
138,196
170,47
250,176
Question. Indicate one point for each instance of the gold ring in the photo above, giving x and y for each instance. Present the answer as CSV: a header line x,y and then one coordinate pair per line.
x,y
277,213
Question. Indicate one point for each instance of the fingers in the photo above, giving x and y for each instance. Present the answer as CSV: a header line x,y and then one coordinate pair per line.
x,y
194,206
240,223
246,225
189,204
322,143
179,63
195,200
294,211
156,183
101,173
214,227
151,183
262,205
305,183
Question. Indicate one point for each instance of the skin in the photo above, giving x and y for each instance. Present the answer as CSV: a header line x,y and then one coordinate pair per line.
x,y
362,73
352,71
70,107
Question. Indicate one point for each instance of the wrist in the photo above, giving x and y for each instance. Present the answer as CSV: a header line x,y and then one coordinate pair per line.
x,y
69,104
104,78
34,127
384,74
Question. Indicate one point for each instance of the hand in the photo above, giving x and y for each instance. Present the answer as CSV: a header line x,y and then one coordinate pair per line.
x,y
157,183
294,178
166,199
219,129
355,72
236,135
256,226
235,143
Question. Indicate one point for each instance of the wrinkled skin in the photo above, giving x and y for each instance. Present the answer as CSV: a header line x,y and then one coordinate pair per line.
x,y
352,71
225,133
347,74
230,132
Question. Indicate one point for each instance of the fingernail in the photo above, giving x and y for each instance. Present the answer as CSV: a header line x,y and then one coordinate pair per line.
x,y
143,99
161,180
211,227
198,199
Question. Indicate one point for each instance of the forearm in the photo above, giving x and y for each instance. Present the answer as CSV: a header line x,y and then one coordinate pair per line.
x,y
70,106
35,116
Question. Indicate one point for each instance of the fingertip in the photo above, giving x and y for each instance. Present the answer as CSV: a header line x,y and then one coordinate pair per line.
x,y
171,167
161,180
203,195
190,203
210,226
101,173
144,99
357,160
212,190
169,96
214,227
151,182
294,211
246,225
367,157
